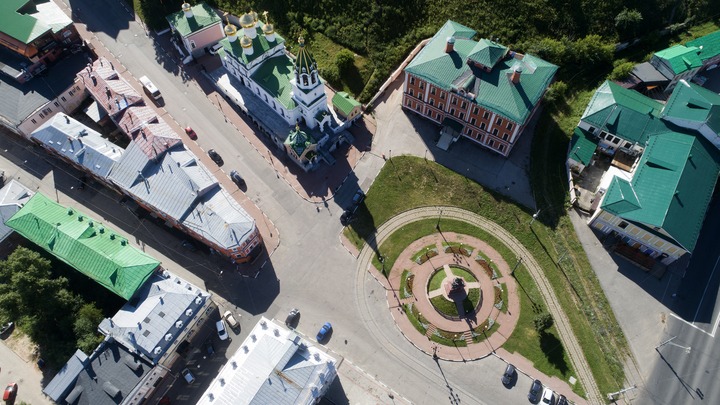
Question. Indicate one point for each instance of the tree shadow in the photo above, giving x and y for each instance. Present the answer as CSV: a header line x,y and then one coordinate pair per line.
x,y
554,352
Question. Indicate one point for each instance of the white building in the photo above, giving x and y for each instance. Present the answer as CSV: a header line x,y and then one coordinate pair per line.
x,y
272,366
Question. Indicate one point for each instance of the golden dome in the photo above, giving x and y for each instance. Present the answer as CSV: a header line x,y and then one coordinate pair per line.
x,y
186,7
268,29
301,41
247,21
230,30
246,42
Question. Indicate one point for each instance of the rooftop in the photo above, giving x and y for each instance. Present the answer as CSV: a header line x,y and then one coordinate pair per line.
x,y
150,132
299,140
694,105
203,17
26,20
110,90
157,313
260,46
681,58
493,90
84,243
272,366
79,144
12,197
344,102
274,76
582,146
709,45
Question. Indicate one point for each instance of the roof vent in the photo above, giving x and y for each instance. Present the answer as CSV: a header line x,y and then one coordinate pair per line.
x,y
222,382
168,337
263,323
317,356
123,242
234,363
157,350
253,337
198,300
211,397
70,211
246,349
101,230
189,312
112,236
179,324
90,224
276,332
80,217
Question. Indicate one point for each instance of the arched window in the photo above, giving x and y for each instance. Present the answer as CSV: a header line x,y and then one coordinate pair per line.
x,y
314,77
304,80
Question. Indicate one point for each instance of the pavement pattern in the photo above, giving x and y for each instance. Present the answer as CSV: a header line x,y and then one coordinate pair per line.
x,y
563,326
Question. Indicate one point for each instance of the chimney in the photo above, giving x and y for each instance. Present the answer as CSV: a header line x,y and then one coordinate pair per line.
x,y
516,75
187,10
450,45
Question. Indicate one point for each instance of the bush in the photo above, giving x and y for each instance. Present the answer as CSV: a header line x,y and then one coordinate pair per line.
x,y
332,76
622,71
555,94
344,60
542,322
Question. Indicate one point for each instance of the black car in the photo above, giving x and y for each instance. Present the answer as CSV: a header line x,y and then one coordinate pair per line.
x,y
215,157
209,348
187,245
358,197
508,375
292,317
534,391
345,217
239,181
562,400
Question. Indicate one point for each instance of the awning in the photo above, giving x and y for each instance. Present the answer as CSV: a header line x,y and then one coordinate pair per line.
x,y
452,124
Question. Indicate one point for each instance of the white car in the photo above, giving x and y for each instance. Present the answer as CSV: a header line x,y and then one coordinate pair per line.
x,y
221,329
189,378
548,396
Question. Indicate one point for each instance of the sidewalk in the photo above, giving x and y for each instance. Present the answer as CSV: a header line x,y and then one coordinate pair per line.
x,y
266,227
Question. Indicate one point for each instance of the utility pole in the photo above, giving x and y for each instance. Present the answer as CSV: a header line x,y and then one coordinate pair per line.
x,y
612,396
535,215
516,266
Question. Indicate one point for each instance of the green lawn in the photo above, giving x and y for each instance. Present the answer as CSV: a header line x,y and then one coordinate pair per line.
x,y
460,272
471,300
403,283
436,280
444,305
504,298
448,341
482,337
413,317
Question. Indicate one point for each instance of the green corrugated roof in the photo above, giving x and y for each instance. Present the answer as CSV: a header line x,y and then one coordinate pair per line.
x,y
84,244
274,76
344,102
25,28
487,52
673,184
625,113
690,102
582,146
681,58
710,45
203,16
494,90
260,46
299,140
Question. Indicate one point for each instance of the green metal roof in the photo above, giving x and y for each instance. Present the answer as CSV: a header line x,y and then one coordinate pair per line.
x,y
299,140
260,46
304,59
681,58
86,244
487,53
671,187
344,102
21,26
274,76
582,146
494,91
710,45
203,16
690,102
625,113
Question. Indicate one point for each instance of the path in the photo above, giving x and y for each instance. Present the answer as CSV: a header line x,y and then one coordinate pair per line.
x,y
563,326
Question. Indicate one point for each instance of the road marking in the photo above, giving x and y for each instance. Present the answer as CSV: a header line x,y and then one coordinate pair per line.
x,y
690,324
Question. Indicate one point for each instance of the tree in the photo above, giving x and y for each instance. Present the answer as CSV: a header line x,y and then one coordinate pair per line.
x,y
622,71
344,59
628,21
555,94
591,50
86,327
542,322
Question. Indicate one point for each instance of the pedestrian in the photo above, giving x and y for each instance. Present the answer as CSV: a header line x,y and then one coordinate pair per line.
x,y
674,295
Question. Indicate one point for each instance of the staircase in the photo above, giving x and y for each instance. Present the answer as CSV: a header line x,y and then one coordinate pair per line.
x,y
430,331
468,337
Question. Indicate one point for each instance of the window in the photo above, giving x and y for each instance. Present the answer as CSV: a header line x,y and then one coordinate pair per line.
x,y
628,145
42,116
476,110
501,147
56,104
47,111
422,85
491,143
62,98
438,116
417,106
469,132
482,126
606,135
420,96
610,138
464,104
505,137
616,141
454,101
472,121
499,121
192,44
432,101
412,81
623,225
441,106
411,92
452,111
432,90
442,96
509,126
486,115
71,92
462,116
33,120
428,113
409,104
495,131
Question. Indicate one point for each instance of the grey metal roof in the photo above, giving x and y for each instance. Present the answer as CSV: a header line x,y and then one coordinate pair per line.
x,y
64,380
12,197
149,321
648,74
218,217
78,143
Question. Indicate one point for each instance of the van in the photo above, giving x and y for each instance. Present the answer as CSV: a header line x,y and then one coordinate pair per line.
x,y
150,88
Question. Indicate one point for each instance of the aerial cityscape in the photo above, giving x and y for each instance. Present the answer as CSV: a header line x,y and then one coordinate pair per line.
x,y
399,202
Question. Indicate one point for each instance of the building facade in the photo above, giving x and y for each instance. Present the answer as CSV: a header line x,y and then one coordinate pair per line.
x,y
677,63
198,27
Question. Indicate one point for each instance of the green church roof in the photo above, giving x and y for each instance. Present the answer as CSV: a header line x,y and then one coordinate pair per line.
x,y
710,45
582,146
274,76
494,91
681,58
625,113
299,140
671,187
344,102
203,16
690,102
21,26
86,244
260,46
304,62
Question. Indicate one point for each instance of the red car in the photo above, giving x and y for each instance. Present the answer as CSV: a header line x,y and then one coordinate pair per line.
x,y
189,131
10,392
165,401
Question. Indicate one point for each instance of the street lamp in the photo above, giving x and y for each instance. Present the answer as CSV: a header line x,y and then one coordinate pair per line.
x,y
535,215
438,222
516,266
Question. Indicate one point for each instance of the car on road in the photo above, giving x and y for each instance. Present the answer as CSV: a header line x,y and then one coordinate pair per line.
x,y
323,331
187,245
345,217
150,88
209,348
237,179
508,375
534,391
358,197
10,392
6,327
548,396
165,401
188,376
292,317
189,131
562,400
230,319
215,157
221,329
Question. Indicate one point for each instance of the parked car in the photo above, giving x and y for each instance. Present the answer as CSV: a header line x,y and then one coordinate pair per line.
x,y
230,319
215,157
508,375
358,197
41,362
150,88
222,331
189,131
548,396
188,376
345,217
323,331
6,327
165,401
237,179
209,348
534,391
10,392
562,400
292,317
187,245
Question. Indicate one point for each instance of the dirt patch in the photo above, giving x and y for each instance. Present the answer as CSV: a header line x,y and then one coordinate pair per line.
x,y
22,346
